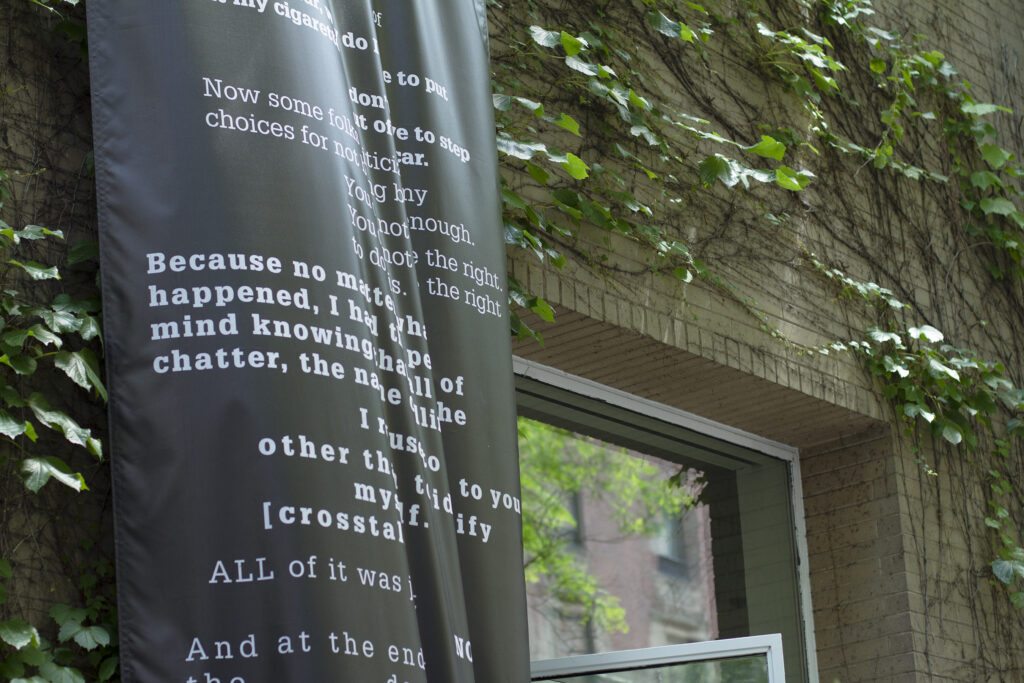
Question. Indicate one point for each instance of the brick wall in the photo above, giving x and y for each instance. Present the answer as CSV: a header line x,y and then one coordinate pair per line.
x,y
900,581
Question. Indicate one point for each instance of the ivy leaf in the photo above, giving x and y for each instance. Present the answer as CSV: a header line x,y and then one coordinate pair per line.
x,y
949,431
878,66
23,365
45,336
683,274
538,173
37,232
18,633
577,64
544,37
60,674
997,205
769,147
995,155
571,44
543,310
38,471
789,179
985,179
501,102
982,108
536,107
15,337
519,150
59,318
92,637
37,271
59,421
673,29
913,410
926,332
10,427
938,370
575,167
1006,570
88,250
83,368
107,668
715,167
569,123
882,337
894,366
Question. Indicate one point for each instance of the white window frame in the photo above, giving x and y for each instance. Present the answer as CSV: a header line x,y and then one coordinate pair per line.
x,y
587,388
769,645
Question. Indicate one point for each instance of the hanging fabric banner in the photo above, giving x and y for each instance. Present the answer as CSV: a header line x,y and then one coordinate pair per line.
x,y
312,412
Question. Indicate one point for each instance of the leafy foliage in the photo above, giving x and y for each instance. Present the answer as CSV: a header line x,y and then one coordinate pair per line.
x,y
49,342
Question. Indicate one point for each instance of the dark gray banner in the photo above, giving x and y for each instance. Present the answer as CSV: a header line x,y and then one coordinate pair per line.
x,y
312,412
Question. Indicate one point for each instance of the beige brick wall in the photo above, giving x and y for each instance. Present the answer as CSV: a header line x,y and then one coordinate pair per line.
x,y
900,581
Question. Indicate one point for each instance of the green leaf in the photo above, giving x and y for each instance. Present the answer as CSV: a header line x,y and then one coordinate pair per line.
x,y
62,614
950,432
893,366
981,109
769,147
882,336
517,149
37,271
544,37
92,637
937,369
23,365
673,29
538,173
55,673
997,205
575,167
913,410
544,310
83,368
10,427
1006,570
995,155
577,64
58,421
38,471
571,44
37,232
85,251
15,337
107,668
789,179
569,123
90,328
18,633
878,66
985,179
926,332
45,336
713,168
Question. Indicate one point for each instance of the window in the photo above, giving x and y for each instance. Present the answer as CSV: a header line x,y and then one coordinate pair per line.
x,y
659,528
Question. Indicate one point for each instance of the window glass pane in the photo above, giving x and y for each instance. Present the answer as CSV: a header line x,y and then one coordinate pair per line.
x,y
640,533
753,669
618,548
